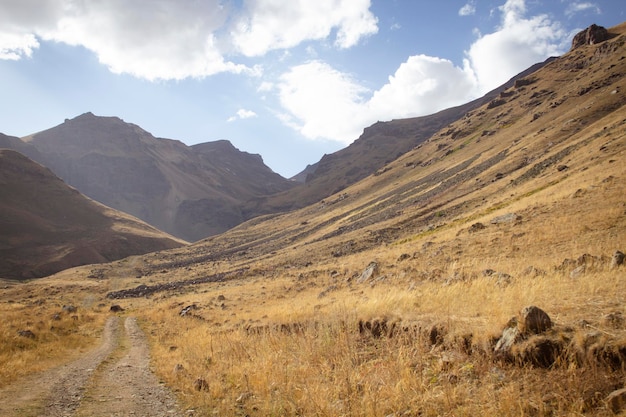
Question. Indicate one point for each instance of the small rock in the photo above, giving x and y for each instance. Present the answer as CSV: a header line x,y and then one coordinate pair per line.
x,y
531,271
70,309
476,227
115,308
26,333
368,272
243,397
578,271
187,310
221,297
328,289
617,400
534,320
200,384
617,259
561,168
510,335
503,279
506,218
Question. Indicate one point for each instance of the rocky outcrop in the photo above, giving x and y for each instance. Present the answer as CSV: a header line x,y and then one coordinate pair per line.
x,y
592,35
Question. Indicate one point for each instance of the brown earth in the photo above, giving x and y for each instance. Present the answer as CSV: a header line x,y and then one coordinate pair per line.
x,y
47,226
113,380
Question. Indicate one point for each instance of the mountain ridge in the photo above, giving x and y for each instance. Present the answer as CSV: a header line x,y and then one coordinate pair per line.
x,y
162,181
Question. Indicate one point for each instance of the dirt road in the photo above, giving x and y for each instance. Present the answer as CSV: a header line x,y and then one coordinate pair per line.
x,y
112,380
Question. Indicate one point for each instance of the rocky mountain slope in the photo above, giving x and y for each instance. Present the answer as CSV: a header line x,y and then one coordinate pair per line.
x,y
190,192
202,190
46,226
411,292
379,144
557,124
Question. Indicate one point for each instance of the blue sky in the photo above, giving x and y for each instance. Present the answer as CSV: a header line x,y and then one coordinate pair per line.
x,y
287,79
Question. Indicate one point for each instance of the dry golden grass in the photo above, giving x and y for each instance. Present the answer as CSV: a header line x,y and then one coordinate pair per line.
x,y
280,335
56,335
324,366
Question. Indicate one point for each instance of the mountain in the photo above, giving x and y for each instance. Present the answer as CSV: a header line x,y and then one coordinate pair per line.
x,y
379,144
557,124
46,226
190,192
487,259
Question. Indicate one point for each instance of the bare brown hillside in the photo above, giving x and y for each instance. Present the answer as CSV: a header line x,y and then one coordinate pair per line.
x,y
46,226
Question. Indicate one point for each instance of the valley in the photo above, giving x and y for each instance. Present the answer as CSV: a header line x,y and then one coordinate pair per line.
x,y
478,273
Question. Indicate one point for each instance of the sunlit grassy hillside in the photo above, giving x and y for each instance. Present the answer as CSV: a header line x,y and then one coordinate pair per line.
x,y
522,202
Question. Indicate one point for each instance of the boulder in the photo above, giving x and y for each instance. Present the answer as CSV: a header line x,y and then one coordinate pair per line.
x,y
534,320
592,35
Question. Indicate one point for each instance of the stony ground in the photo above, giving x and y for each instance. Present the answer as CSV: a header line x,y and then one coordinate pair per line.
x,y
112,380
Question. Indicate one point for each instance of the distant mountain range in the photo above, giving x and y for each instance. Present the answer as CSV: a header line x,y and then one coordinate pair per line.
x,y
193,192
188,191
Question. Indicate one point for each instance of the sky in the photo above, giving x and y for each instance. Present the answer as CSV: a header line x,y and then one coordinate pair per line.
x,y
290,80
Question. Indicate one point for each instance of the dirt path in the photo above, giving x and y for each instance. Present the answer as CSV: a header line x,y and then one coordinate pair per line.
x,y
112,380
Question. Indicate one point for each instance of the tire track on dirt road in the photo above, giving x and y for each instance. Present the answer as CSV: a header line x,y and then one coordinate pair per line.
x,y
114,379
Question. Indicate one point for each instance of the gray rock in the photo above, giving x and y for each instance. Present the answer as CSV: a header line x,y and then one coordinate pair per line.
x,y
509,337
506,218
578,271
371,269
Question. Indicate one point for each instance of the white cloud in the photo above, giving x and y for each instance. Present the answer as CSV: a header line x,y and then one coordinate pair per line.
x,y
518,43
468,10
577,7
421,85
242,114
15,46
265,87
279,24
177,39
322,102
